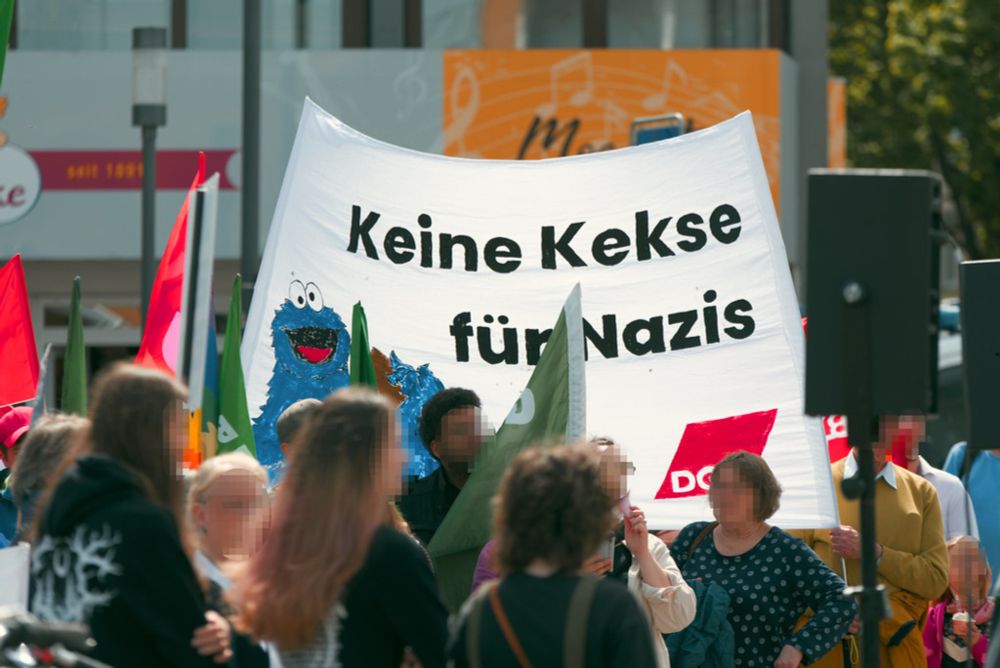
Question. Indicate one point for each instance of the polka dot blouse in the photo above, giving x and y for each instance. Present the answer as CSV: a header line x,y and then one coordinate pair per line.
x,y
770,587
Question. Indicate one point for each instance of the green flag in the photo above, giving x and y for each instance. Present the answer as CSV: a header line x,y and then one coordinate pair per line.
x,y
550,411
235,429
74,385
361,367
6,18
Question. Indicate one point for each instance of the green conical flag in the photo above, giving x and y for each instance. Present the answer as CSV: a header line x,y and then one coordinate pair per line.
x,y
74,385
361,367
235,428
550,411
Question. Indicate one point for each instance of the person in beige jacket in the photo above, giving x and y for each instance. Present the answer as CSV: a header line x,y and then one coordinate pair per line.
x,y
657,582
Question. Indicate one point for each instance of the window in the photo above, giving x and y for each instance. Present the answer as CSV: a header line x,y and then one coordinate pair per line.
x,y
452,24
75,25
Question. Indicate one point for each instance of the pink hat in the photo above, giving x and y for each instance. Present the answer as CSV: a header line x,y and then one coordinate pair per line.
x,y
14,424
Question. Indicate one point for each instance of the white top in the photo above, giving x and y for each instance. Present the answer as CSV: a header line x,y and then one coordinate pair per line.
x,y
953,498
210,570
670,609
888,473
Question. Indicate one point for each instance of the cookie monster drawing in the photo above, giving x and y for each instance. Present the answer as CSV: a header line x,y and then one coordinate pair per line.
x,y
311,349
417,385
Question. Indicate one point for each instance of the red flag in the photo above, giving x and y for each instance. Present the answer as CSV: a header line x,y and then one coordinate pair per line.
x,y
18,354
162,335
834,426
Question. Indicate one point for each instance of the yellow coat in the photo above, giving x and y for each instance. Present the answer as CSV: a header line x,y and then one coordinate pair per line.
x,y
914,565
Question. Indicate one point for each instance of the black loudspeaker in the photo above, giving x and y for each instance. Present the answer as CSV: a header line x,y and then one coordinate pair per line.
x,y
880,229
980,292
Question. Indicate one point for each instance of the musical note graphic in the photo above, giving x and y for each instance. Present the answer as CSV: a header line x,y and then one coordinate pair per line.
x,y
658,101
463,101
616,121
409,88
571,80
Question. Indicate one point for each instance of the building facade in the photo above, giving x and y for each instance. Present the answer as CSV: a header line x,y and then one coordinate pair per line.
x,y
514,79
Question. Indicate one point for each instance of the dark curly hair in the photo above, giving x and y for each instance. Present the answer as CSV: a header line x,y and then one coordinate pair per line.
x,y
440,405
753,471
553,505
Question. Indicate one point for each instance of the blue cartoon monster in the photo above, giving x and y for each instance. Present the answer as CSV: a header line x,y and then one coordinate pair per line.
x,y
417,385
311,349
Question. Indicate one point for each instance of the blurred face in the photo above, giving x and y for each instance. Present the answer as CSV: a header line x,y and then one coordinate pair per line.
x,y
232,515
966,568
392,459
910,432
9,455
732,499
178,432
615,472
460,437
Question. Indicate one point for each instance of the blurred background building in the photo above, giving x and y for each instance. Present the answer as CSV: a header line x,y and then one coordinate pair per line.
x,y
516,79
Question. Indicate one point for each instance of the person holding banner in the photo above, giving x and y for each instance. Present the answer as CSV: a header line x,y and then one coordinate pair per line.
x,y
334,583
772,578
107,546
910,550
553,512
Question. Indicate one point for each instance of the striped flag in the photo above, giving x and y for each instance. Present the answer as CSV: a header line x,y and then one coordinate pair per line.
x,y
161,338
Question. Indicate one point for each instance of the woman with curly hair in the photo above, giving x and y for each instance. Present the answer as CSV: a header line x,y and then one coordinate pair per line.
x,y
552,512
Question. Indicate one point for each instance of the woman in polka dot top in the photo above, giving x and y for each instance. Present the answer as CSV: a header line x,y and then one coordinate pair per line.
x,y
772,578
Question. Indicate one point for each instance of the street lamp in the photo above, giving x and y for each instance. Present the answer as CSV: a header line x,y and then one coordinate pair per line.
x,y
149,111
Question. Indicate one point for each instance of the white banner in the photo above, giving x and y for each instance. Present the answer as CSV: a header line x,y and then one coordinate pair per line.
x,y
691,322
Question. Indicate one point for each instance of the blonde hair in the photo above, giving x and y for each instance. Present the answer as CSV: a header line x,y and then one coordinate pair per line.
x,y
216,467
985,583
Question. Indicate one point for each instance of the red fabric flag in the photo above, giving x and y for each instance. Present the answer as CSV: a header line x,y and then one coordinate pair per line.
x,y
834,426
18,354
162,335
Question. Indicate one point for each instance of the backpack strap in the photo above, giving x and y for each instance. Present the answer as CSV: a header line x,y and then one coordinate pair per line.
x,y
475,623
575,641
507,629
700,537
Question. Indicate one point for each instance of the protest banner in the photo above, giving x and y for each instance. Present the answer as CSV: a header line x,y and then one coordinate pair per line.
x,y
691,324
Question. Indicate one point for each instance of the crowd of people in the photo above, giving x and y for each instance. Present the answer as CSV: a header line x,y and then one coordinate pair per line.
x,y
330,567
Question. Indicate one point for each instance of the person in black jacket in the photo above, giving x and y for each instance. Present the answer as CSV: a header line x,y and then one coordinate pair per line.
x,y
335,584
107,547
450,425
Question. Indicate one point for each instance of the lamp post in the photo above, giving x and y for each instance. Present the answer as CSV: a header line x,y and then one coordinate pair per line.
x,y
149,111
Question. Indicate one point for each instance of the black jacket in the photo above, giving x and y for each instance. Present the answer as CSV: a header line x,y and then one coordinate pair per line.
x,y
109,557
426,504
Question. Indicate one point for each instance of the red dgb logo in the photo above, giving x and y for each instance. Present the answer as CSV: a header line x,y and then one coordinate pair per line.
x,y
705,443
